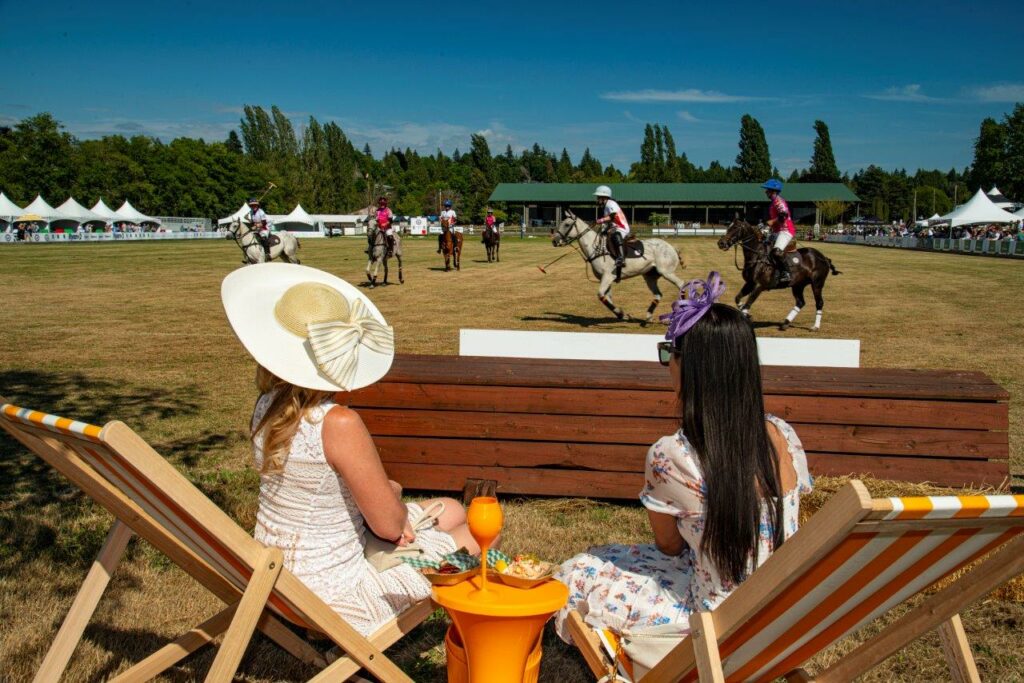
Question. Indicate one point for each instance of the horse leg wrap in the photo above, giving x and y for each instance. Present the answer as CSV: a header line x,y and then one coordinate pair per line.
x,y
817,320
609,305
792,314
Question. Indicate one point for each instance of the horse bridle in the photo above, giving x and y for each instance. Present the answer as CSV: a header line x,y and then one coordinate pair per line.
x,y
743,243
238,238
571,241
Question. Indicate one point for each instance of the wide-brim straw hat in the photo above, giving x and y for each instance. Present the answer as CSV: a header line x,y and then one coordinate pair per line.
x,y
309,328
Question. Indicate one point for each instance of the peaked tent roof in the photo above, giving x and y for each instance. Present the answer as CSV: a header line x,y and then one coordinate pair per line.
x,y
129,213
298,215
44,210
241,213
77,212
998,199
978,209
104,211
8,209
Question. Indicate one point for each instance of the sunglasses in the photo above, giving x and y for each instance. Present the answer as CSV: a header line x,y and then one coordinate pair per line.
x,y
666,350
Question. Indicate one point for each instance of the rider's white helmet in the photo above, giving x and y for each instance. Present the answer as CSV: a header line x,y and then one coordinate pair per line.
x,y
603,191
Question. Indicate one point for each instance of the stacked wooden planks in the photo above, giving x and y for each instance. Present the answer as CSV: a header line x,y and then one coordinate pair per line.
x,y
582,428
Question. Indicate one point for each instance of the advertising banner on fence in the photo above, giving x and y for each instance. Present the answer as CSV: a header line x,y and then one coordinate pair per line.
x,y
12,238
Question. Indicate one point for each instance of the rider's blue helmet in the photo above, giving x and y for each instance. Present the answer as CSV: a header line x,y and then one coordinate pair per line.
x,y
773,184
447,202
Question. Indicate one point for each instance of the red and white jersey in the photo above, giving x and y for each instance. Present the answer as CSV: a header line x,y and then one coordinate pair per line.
x,y
614,211
490,221
779,208
384,217
448,217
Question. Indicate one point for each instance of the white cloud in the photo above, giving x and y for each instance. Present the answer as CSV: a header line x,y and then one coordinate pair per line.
x,y
903,93
687,95
211,131
1000,92
425,138
684,115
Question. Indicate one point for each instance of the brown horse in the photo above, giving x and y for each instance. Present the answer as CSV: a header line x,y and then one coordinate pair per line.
x,y
451,247
807,266
492,243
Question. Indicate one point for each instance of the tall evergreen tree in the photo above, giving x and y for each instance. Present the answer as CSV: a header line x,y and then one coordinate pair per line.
x,y
234,143
989,155
673,172
754,163
1013,167
823,162
645,169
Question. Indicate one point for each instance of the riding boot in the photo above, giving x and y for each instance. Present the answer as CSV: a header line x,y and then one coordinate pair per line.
x,y
391,244
618,249
783,276
440,242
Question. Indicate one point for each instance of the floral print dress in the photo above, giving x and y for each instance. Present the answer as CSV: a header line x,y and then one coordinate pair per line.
x,y
633,587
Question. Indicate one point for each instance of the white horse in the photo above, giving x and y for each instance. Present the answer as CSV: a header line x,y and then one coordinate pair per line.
x,y
244,235
659,260
378,254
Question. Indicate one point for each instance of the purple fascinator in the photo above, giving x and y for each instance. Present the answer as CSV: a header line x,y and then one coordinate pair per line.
x,y
695,299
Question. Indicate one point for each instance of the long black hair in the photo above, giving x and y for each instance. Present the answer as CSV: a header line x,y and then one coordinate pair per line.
x,y
723,419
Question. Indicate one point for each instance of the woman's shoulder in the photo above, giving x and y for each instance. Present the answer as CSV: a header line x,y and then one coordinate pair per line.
x,y
796,452
676,449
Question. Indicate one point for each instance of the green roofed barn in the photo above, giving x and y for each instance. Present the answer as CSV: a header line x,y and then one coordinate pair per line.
x,y
706,203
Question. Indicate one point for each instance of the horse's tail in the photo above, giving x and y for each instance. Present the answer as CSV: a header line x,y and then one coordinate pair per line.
x,y
832,267
682,259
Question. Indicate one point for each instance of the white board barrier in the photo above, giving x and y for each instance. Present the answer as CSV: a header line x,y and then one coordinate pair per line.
x,y
832,353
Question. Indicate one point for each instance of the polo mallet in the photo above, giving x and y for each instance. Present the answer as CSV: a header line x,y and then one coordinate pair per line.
x,y
543,269
270,186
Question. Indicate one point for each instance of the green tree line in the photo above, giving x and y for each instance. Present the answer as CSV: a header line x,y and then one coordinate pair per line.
x,y
321,168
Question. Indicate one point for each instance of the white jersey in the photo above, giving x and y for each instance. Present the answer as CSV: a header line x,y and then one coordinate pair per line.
x,y
448,215
618,216
259,218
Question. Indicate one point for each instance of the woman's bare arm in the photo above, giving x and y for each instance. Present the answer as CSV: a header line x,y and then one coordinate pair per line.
x,y
349,449
666,533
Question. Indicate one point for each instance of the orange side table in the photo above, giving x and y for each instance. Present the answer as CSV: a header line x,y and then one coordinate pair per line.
x,y
499,634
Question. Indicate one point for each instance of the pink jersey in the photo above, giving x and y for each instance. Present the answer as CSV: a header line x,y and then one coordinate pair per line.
x,y
384,217
778,208
618,216
490,221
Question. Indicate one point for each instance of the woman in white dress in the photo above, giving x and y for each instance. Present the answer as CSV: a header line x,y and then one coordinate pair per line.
x,y
721,493
323,488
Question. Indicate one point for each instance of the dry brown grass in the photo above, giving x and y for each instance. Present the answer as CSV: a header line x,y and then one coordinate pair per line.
x,y
136,332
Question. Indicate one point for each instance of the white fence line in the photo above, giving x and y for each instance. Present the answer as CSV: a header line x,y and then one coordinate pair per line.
x,y
963,246
64,237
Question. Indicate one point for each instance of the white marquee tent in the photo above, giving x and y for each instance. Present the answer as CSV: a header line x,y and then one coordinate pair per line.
x,y
241,213
127,212
1019,213
8,209
77,213
104,211
44,210
298,215
998,199
979,209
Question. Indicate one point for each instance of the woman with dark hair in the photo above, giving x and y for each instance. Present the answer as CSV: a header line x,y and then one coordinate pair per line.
x,y
722,493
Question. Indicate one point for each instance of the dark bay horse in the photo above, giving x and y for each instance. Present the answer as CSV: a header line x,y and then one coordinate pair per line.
x,y
807,266
451,247
492,243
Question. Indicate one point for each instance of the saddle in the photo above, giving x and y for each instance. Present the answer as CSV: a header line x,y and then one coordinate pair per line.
x,y
272,240
631,247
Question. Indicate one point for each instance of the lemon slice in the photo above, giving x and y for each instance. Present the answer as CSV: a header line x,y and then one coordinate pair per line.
x,y
500,566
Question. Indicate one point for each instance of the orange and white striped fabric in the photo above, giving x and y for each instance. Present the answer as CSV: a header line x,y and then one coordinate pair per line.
x,y
134,477
899,549
53,423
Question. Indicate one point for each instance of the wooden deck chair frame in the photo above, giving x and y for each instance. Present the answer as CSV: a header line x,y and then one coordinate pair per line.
x,y
149,497
920,541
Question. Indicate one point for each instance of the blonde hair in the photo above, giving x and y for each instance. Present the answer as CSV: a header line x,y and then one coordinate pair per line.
x,y
279,424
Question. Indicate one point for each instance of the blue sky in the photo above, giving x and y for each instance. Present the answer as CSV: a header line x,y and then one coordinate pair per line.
x,y
900,84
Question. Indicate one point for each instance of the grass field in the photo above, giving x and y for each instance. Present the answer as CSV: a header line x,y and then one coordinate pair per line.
x,y
136,332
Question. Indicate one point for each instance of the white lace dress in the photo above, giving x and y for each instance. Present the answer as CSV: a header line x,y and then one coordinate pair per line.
x,y
632,587
308,512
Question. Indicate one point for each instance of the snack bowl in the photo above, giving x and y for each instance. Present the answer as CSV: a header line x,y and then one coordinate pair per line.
x,y
438,579
521,582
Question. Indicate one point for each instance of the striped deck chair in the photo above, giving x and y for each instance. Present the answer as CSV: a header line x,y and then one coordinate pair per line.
x,y
149,497
852,562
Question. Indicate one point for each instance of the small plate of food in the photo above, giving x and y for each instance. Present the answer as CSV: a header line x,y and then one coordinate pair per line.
x,y
524,571
448,574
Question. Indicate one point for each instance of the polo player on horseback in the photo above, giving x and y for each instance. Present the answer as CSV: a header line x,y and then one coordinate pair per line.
x,y
618,229
385,224
781,223
489,222
447,221
260,224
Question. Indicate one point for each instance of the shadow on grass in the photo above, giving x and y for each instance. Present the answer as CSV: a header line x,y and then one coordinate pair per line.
x,y
575,320
44,514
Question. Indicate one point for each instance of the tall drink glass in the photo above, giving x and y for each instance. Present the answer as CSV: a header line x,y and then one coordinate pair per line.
x,y
485,519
